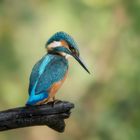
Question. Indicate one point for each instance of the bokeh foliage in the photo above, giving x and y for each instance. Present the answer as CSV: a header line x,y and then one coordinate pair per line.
x,y
108,33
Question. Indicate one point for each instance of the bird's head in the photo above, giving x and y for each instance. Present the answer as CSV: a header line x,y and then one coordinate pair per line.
x,y
63,44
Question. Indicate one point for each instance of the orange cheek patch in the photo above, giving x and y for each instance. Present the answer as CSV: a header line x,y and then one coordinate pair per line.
x,y
64,43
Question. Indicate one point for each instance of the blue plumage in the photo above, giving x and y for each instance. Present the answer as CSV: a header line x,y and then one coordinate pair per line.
x,y
47,71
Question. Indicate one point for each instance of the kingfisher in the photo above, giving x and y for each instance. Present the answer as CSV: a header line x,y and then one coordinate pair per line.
x,y
49,73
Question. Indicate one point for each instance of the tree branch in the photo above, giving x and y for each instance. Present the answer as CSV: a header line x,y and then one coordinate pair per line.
x,y
50,114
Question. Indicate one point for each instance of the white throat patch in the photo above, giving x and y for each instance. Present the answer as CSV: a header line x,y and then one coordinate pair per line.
x,y
65,55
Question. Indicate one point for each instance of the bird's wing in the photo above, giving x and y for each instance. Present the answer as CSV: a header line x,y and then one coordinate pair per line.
x,y
55,71
34,75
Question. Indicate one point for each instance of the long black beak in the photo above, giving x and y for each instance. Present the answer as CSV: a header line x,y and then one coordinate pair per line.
x,y
81,62
63,49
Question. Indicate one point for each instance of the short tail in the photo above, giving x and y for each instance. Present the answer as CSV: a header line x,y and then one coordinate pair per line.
x,y
33,100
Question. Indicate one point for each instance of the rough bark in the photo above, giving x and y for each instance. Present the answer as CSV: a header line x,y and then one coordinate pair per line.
x,y
50,114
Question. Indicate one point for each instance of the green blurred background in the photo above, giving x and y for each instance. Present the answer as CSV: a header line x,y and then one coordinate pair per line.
x,y
107,102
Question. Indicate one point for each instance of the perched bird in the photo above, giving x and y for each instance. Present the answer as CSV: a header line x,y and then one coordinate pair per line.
x,y
50,72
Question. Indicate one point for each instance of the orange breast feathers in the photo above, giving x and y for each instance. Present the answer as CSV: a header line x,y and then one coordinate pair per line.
x,y
55,87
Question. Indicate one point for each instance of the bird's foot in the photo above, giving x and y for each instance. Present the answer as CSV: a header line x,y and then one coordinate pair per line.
x,y
55,102
51,101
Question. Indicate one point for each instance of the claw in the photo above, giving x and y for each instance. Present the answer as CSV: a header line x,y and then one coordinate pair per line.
x,y
55,102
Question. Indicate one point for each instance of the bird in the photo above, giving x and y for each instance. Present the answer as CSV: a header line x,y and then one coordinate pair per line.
x,y
49,73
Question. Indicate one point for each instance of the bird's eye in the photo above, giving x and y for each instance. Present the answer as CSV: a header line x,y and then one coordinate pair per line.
x,y
75,52
72,50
